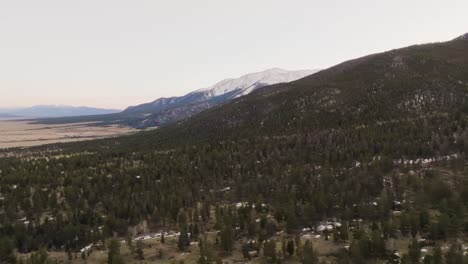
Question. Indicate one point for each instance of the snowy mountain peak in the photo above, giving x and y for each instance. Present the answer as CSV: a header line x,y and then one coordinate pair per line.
x,y
247,83
168,110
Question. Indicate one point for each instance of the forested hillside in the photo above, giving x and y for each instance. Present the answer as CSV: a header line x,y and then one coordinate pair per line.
x,y
360,163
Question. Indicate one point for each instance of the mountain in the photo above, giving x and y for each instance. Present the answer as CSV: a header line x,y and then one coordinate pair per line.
x,y
371,152
407,90
168,110
8,116
56,111
164,111
463,37
250,82
408,83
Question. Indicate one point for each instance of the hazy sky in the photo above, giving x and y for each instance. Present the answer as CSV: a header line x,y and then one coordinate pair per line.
x,y
115,53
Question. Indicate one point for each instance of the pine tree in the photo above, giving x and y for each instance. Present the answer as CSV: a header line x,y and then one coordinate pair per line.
x,y
184,240
113,256
269,250
69,255
308,255
7,254
139,250
437,258
130,246
227,238
298,243
414,251
39,257
245,250
428,259
290,247
378,244
454,255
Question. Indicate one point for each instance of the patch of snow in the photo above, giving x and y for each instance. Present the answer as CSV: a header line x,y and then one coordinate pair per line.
x,y
224,189
426,160
168,234
248,83
87,248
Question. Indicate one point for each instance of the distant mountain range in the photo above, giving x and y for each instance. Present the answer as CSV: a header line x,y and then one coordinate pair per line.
x,y
164,111
46,111
8,116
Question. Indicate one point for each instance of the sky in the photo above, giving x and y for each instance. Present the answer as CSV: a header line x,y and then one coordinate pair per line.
x,y
116,53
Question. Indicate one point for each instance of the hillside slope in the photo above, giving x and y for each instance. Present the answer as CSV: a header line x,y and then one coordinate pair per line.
x,y
408,83
361,159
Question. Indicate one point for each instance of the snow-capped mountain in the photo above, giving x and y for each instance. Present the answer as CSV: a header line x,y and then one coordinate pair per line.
x,y
247,83
224,90
167,110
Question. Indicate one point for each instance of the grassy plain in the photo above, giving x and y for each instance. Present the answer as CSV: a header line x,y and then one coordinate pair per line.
x,y
21,133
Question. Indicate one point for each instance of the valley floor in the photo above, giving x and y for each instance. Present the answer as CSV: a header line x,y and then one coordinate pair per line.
x,y
20,133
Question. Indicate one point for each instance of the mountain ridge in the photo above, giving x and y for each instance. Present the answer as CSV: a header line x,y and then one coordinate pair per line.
x,y
173,109
167,110
236,86
463,37
42,111
341,94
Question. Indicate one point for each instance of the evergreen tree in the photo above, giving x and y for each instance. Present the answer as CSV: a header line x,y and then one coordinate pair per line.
x,y
113,255
290,247
454,255
227,238
414,251
7,254
308,255
184,240
377,244
437,256
269,250
139,250
39,257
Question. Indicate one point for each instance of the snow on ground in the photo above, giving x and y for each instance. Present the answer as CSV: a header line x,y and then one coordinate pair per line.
x,y
87,248
157,235
426,160
247,83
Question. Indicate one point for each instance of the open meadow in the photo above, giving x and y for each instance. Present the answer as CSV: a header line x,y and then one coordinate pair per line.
x,y
22,133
